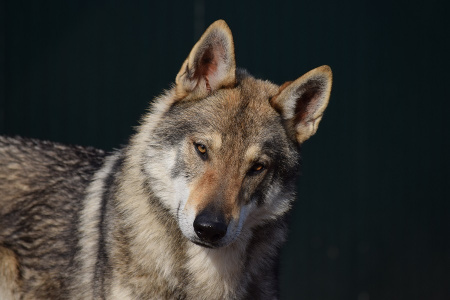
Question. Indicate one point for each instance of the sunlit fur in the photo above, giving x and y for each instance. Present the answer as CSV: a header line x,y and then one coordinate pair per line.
x,y
76,223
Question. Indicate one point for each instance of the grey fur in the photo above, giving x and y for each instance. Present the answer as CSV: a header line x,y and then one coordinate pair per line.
x,y
78,224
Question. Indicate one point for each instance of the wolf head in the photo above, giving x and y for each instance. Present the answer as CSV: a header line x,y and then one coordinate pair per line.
x,y
221,148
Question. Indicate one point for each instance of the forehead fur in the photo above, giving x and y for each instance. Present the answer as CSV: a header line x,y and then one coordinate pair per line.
x,y
241,116
243,110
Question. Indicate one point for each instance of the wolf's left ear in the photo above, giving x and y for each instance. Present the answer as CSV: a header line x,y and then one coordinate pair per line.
x,y
210,65
302,102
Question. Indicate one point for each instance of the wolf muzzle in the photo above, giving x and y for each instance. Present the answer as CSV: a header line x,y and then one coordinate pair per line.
x,y
210,226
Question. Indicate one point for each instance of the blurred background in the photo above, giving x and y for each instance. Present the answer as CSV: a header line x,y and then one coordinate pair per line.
x,y
372,219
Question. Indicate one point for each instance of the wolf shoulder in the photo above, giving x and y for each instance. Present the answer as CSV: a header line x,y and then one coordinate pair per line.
x,y
29,166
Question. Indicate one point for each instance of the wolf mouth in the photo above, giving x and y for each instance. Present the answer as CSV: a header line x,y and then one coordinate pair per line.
x,y
205,245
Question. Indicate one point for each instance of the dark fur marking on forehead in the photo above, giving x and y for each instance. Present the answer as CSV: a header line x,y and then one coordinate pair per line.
x,y
175,127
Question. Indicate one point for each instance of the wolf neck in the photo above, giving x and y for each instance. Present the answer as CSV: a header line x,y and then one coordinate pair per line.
x,y
217,273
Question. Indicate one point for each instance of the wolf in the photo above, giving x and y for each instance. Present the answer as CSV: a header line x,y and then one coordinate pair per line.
x,y
193,207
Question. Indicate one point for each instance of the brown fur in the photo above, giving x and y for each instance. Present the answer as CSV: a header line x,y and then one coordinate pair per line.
x,y
76,224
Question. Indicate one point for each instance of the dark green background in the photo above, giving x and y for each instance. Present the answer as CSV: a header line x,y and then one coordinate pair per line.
x,y
373,216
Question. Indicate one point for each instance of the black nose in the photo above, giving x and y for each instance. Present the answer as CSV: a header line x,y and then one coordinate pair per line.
x,y
210,228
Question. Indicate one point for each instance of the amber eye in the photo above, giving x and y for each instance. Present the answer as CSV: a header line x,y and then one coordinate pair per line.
x,y
201,150
256,168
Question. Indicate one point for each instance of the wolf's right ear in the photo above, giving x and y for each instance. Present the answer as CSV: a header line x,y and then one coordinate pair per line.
x,y
210,65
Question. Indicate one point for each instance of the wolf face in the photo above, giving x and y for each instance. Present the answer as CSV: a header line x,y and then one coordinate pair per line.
x,y
223,146
225,168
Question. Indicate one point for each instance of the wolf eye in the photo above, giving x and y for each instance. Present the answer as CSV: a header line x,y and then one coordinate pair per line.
x,y
201,150
256,168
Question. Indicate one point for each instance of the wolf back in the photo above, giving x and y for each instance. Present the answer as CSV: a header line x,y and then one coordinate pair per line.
x,y
193,207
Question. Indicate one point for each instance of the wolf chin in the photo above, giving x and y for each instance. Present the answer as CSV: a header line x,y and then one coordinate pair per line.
x,y
192,208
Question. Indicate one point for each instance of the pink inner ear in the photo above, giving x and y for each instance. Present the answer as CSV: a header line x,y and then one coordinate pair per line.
x,y
207,65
